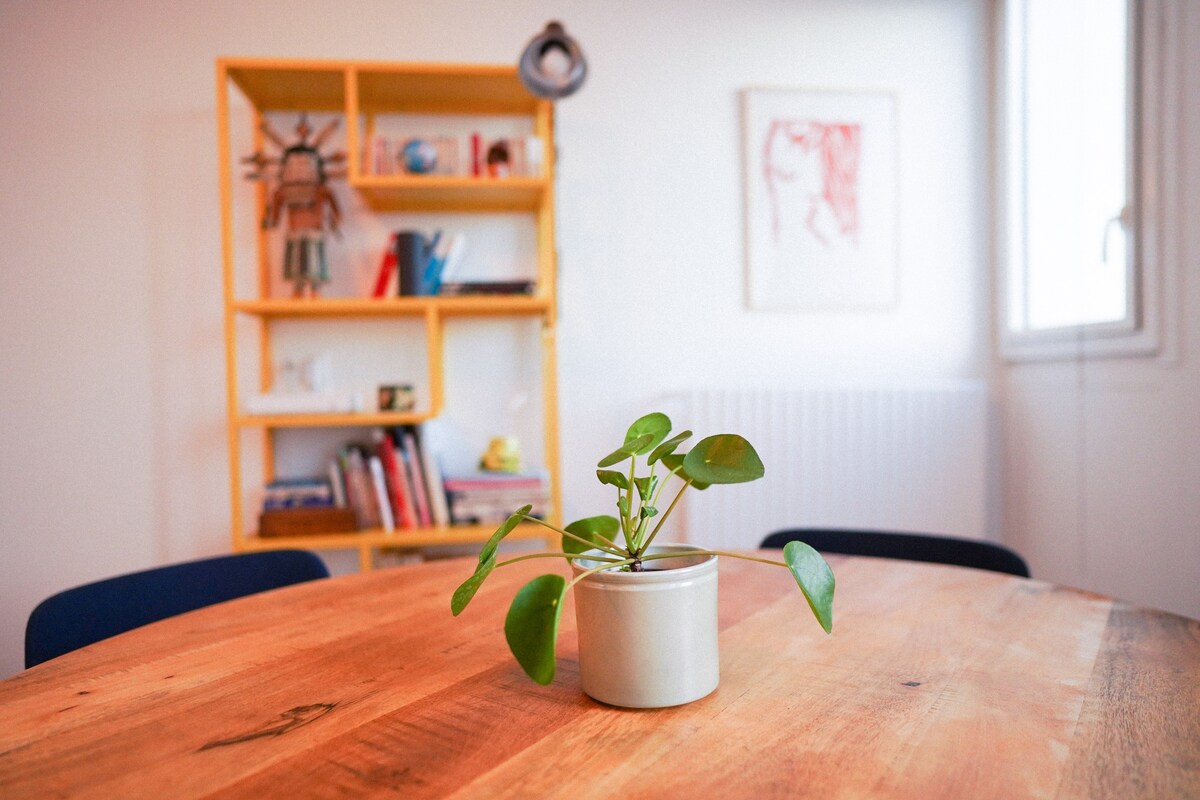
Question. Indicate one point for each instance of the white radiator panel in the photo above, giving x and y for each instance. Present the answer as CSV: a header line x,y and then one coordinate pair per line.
x,y
903,459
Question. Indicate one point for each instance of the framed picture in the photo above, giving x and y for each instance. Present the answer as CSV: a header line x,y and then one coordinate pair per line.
x,y
821,199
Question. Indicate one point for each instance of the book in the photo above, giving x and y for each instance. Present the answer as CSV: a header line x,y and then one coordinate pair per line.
x,y
477,155
487,498
429,445
297,493
476,481
446,264
396,483
417,473
360,493
458,289
387,279
337,483
412,254
386,520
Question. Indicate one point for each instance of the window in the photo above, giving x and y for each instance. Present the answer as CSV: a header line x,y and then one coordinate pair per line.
x,y
1073,277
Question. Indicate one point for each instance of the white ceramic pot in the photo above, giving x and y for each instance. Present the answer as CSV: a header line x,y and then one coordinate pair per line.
x,y
649,639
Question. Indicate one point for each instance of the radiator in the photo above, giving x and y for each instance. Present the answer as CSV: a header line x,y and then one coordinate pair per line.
x,y
905,459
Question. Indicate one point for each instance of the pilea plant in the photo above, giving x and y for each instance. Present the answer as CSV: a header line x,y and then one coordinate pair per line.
x,y
531,626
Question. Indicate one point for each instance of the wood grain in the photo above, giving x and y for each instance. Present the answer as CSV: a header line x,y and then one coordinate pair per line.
x,y
937,682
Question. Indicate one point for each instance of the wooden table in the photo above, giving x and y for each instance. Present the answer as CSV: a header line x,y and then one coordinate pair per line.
x,y
937,682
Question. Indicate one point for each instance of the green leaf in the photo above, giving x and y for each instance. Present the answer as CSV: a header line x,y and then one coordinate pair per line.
x,y
645,487
656,425
648,511
489,547
627,450
675,464
623,505
531,626
464,593
668,447
613,478
588,528
815,578
724,458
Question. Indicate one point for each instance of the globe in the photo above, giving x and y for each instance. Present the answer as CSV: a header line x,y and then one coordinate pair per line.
x,y
419,156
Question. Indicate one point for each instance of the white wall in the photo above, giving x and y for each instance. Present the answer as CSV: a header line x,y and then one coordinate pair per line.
x,y
1102,457
112,449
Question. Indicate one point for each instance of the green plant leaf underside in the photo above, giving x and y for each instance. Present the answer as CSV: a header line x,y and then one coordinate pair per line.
x,y
656,424
668,447
489,547
613,478
626,451
815,579
674,462
724,458
531,627
589,528
464,593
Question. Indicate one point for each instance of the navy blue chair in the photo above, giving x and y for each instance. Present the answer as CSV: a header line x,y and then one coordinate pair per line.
x,y
78,617
906,546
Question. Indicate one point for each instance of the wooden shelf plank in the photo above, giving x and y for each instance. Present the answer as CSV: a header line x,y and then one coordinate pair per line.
x,y
368,419
291,85
421,537
475,305
450,193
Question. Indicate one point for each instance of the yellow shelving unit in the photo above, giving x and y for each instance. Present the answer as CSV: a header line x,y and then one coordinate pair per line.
x,y
360,91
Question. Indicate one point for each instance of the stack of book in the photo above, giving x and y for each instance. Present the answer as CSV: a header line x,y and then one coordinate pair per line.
x,y
414,265
393,483
488,498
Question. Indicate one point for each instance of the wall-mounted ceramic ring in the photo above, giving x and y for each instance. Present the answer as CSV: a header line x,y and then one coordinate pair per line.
x,y
552,83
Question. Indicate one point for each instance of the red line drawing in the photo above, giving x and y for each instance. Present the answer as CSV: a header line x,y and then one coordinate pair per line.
x,y
787,158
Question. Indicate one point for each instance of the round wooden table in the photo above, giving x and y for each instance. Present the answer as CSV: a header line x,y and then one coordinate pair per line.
x,y
937,682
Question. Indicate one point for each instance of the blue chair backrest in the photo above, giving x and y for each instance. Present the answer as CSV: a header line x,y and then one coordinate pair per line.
x,y
907,546
86,614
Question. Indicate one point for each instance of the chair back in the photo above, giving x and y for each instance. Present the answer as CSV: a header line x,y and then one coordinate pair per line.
x,y
86,614
907,546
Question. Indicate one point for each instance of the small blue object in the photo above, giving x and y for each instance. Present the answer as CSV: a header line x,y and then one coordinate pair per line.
x,y
419,156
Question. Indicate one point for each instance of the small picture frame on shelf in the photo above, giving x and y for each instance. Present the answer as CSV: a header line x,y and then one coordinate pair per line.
x,y
397,397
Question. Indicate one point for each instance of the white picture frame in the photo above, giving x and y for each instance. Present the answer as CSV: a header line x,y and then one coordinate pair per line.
x,y
820,187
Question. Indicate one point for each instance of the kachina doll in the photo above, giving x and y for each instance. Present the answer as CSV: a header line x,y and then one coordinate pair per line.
x,y
302,193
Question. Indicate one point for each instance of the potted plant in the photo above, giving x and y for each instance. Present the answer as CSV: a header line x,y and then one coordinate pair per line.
x,y
646,611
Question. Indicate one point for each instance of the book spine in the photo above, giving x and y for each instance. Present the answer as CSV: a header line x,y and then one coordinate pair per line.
x,y
359,491
337,482
381,495
397,490
411,256
438,507
413,457
450,263
476,154
387,269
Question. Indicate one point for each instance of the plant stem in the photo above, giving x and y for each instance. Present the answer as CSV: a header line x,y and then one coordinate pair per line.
x,y
609,546
663,518
700,551
627,518
568,556
600,568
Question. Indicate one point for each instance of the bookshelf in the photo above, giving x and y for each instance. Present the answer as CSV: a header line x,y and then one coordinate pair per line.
x,y
358,93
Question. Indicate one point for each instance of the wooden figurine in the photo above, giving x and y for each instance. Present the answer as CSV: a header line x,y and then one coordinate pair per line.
x,y
300,176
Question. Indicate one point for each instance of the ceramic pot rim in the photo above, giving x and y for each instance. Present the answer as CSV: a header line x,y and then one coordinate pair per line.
x,y
707,564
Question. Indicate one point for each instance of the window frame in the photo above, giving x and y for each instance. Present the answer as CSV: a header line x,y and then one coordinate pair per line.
x,y
1139,333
